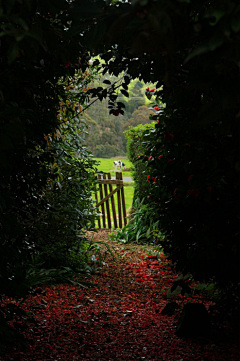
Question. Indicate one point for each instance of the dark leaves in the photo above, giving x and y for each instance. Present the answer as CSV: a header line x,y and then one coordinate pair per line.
x,y
125,93
120,105
106,82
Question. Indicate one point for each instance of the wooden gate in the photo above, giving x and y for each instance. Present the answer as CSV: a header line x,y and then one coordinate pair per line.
x,y
114,214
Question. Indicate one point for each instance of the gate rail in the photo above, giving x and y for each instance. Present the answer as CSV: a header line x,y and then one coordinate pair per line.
x,y
115,216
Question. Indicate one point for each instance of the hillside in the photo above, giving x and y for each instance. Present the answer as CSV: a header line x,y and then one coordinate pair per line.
x,y
106,132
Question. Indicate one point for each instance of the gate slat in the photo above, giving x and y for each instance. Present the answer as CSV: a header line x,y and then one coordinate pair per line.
x,y
107,203
112,202
102,205
109,195
96,197
105,185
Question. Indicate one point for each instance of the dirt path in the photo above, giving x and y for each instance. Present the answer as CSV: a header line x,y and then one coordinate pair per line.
x,y
118,320
126,179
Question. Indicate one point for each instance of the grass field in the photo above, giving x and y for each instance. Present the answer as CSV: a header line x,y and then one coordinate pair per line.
x,y
106,165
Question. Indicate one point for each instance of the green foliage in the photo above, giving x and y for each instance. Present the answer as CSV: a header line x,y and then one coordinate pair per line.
x,y
70,212
191,49
139,116
100,250
192,191
40,276
34,55
136,151
142,227
103,150
105,130
192,154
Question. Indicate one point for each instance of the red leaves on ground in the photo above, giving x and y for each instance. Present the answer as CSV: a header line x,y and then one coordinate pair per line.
x,y
118,320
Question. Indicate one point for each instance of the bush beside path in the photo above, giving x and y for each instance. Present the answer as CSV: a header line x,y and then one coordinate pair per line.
x,y
119,318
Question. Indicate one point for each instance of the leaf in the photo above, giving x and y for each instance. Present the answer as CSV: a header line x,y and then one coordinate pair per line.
x,y
148,233
120,105
138,234
235,23
113,97
78,306
105,71
125,93
124,86
24,25
127,80
215,16
96,62
214,43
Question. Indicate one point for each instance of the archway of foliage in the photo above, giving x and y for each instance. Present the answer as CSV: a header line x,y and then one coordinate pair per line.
x,y
189,47
192,49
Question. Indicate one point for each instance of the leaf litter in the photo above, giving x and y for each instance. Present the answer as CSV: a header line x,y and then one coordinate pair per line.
x,y
118,319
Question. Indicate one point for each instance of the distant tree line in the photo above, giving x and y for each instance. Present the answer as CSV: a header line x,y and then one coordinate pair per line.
x,y
105,131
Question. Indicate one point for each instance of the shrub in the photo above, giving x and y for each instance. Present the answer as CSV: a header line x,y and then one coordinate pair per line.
x,y
59,229
194,181
142,227
136,149
106,151
34,55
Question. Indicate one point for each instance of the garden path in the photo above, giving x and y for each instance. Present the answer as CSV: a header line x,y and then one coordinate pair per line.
x,y
119,319
125,179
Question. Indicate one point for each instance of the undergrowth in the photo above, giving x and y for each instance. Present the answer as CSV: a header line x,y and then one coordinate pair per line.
x,y
141,229
88,260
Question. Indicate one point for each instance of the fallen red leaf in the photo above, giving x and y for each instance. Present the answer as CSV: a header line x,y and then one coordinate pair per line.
x,y
118,320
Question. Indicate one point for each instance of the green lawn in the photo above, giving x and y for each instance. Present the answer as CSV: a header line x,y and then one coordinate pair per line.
x,y
128,192
106,165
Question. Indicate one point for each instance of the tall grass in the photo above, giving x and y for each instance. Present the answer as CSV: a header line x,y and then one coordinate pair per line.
x,y
142,228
